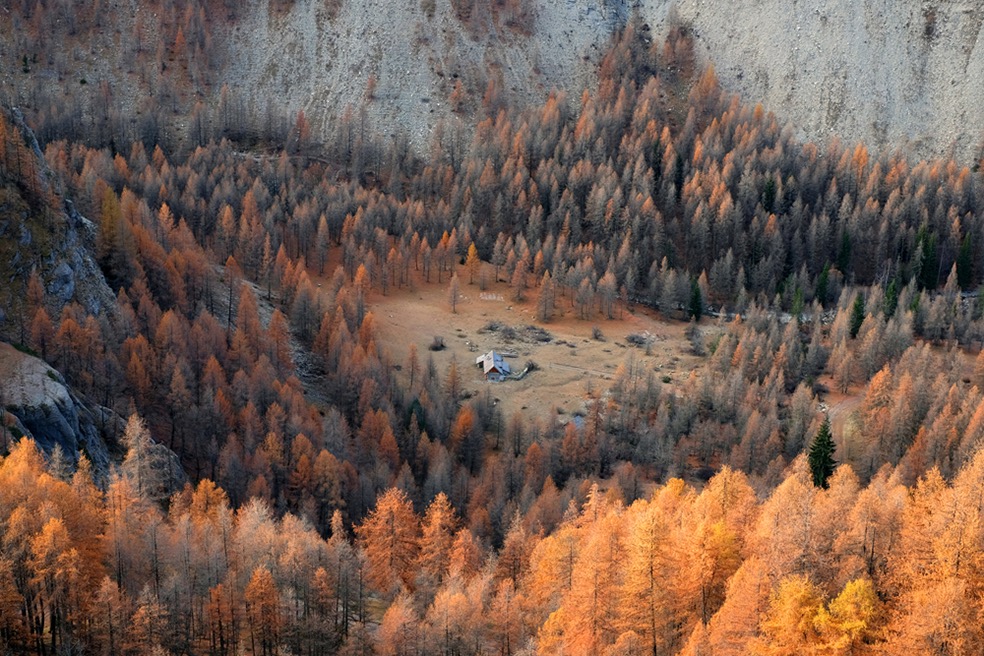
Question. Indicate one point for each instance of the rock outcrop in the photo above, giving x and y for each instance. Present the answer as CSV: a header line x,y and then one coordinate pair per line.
x,y
75,275
36,402
69,271
895,74
39,233
41,406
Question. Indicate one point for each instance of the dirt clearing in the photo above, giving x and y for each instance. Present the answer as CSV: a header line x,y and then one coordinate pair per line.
x,y
572,363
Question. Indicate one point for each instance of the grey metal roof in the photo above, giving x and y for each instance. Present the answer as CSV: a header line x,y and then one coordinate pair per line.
x,y
492,361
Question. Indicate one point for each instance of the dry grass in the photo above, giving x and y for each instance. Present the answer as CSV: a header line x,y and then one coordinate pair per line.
x,y
571,365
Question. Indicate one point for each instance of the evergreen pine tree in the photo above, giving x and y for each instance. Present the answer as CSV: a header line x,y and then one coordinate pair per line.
x,y
821,456
696,301
857,315
891,298
823,284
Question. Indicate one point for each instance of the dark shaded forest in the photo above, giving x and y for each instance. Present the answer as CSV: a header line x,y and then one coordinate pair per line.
x,y
336,509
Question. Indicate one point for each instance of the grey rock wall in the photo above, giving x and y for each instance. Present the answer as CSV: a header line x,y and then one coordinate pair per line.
x,y
47,411
44,408
897,74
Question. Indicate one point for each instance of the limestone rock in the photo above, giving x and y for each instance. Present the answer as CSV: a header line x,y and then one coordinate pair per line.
x,y
50,413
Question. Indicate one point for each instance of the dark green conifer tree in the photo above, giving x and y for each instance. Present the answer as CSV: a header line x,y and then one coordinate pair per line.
x,y
823,283
696,301
891,298
857,315
821,456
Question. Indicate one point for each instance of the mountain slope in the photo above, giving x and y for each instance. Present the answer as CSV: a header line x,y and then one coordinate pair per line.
x,y
896,75
892,74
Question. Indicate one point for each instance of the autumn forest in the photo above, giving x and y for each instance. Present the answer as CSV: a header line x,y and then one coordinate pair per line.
x,y
333,499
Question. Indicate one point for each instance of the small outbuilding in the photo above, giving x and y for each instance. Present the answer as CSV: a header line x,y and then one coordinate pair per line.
x,y
493,366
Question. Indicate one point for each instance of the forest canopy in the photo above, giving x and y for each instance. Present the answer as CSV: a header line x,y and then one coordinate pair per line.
x,y
338,507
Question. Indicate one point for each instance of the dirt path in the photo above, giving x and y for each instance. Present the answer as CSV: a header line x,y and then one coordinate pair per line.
x,y
573,367
840,409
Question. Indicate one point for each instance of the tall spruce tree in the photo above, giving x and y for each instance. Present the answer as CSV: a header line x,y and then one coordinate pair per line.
x,y
696,301
821,456
857,315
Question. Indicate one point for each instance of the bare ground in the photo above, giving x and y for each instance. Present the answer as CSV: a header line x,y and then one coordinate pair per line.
x,y
571,364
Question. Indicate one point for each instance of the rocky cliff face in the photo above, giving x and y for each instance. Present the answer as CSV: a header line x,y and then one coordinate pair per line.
x,y
40,405
56,242
74,274
38,234
896,74
319,59
36,402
